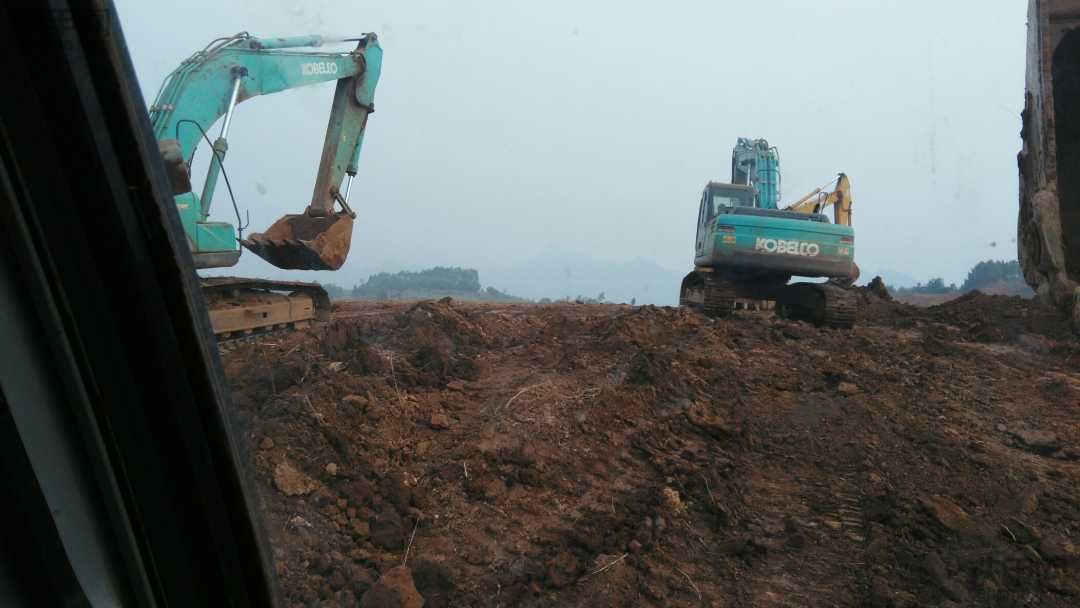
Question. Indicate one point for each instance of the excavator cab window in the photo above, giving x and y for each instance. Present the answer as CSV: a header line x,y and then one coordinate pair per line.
x,y
723,200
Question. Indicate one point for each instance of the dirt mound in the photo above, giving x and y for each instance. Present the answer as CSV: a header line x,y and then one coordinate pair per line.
x,y
573,455
973,316
878,307
877,287
995,318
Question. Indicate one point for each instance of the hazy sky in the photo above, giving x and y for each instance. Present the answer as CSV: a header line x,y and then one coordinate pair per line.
x,y
504,128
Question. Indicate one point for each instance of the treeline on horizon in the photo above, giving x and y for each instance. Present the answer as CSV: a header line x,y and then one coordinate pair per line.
x,y
464,283
440,281
985,274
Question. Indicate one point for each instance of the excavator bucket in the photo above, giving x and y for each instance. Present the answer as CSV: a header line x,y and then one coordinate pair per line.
x,y
304,242
1049,222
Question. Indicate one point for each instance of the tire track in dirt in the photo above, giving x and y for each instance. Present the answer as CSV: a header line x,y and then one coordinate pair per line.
x,y
813,533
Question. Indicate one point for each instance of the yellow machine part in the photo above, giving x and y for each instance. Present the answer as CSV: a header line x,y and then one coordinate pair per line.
x,y
242,307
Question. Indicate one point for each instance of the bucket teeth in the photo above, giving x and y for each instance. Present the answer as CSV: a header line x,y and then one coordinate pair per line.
x,y
302,242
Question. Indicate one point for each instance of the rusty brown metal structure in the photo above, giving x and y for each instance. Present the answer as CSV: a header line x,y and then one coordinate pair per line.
x,y
1048,231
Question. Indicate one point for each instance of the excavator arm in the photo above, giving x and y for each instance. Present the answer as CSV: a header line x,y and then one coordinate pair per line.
x,y
839,198
209,85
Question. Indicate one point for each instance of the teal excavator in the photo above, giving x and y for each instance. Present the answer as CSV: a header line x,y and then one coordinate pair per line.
x,y
208,86
748,247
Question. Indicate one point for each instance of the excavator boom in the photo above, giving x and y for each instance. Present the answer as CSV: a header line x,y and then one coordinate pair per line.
x,y
319,238
207,87
210,84
818,200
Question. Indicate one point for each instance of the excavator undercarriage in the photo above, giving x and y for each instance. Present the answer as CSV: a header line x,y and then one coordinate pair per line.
x,y
718,294
242,307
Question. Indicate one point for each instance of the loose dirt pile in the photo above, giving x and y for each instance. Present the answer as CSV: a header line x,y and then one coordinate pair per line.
x,y
598,455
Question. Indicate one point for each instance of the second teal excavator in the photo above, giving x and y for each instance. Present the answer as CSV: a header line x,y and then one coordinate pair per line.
x,y
208,86
747,248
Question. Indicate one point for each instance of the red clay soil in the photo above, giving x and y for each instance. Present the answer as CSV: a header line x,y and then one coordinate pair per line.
x,y
603,455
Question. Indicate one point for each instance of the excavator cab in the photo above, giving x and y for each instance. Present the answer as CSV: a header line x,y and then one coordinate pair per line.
x,y
725,197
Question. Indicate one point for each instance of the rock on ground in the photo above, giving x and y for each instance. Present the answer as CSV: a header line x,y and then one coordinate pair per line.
x,y
292,482
395,589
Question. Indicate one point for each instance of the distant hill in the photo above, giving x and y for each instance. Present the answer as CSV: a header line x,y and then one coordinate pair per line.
x,y
558,273
996,277
438,282
993,276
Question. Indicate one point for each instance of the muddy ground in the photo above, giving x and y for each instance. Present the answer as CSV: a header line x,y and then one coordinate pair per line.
x,y
604,455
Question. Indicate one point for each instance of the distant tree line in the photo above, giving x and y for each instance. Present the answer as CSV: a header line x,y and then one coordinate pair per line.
x,y
990,272
335,291
934,285
580,299
982,275
386,285
433,282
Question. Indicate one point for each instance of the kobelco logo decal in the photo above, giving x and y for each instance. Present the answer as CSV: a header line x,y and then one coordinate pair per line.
x,y
788,247
318,67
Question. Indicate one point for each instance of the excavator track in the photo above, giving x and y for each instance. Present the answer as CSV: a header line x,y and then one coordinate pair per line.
x,y
841,308
241,307
692,290
822,304
720,296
